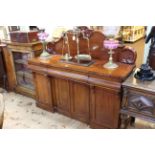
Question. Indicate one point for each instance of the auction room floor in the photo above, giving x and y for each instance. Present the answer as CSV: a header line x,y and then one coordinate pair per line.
x,y
22,113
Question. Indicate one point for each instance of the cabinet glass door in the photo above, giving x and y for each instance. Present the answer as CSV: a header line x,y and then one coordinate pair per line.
x,y
23,74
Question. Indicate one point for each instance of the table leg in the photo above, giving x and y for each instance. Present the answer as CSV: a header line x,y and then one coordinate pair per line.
x,y
124,121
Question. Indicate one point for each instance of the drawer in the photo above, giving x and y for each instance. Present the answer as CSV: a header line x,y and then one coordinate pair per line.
x,y
140,102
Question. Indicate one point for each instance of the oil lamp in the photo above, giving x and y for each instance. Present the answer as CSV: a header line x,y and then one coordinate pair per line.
x,y
42,35
111,43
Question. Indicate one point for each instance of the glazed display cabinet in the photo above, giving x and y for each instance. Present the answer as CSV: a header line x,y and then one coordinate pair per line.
x,y
20,78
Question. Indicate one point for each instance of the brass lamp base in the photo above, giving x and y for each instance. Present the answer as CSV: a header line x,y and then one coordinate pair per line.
x,y
45,55
110,65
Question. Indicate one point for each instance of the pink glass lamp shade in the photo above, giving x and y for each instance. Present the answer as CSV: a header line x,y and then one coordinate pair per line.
x,y
110,44
42,37
111,32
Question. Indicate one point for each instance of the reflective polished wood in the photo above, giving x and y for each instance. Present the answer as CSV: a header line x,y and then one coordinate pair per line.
x,y
89,94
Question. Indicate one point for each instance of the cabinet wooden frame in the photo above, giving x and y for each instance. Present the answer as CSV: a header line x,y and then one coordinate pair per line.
x,y
34,49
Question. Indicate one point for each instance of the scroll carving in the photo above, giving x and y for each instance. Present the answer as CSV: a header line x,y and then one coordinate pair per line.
x,y
122,54
142,104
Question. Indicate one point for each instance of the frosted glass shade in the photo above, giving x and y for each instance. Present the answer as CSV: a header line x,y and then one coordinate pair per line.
x,y
111,31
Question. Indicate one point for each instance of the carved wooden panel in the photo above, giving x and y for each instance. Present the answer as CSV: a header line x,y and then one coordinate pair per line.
x,y
80,101
127,55
141,102
43,91
97,50
104,108
61,95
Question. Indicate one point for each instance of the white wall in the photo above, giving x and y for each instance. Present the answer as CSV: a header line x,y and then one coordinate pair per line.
x,y
54,31
24,28
4,32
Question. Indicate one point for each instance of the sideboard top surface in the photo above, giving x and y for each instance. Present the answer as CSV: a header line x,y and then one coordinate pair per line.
x,y
134,83
95,70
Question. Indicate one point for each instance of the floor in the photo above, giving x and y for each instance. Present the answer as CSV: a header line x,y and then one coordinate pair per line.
x,y
22,113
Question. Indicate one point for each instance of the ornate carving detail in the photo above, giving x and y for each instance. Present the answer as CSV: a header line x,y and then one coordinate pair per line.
x,y
127,55
141,103
122,54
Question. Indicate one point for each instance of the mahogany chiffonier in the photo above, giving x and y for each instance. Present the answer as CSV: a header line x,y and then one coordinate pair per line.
x,y
91,94
138,101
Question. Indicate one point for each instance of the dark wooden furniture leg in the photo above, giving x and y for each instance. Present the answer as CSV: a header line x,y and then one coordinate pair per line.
x,y
132,121
124,121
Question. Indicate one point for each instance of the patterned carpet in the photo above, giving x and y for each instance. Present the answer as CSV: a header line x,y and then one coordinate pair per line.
x,y
22,113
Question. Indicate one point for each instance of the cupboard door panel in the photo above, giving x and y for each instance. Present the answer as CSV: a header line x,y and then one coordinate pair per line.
x,y
80,101
104,108
62,96
43,91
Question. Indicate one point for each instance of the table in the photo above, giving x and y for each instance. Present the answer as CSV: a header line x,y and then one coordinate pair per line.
x,y
138,101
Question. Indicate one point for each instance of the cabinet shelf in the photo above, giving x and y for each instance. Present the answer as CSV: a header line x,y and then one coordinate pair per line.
x,y
25,79
21,61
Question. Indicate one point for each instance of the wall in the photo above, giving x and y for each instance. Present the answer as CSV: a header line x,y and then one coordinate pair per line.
x,y
4,32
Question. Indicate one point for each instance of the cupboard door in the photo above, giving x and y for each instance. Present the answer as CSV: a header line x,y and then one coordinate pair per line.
x,y
61,95
104,108
80,101
43,91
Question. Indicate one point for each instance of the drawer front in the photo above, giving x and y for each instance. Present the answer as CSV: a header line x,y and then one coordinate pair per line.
x,y
139,102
